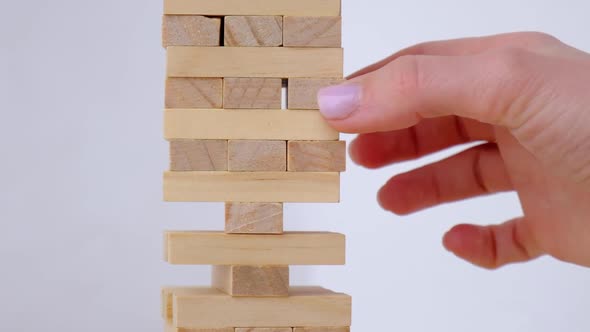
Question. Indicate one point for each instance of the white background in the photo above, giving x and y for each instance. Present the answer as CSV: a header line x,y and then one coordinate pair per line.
x,y
81,89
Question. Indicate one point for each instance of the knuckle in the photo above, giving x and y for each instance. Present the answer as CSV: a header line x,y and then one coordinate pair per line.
x,y
540,38
405,73
511,60
512,67
512,75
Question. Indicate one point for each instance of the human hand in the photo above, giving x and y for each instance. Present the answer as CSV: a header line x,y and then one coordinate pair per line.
x,y
526,94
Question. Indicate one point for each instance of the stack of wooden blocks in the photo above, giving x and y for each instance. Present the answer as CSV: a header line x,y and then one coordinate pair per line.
x,y
236,138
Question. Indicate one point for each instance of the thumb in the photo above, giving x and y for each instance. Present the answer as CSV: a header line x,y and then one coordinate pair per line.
x,y
488,87
492,246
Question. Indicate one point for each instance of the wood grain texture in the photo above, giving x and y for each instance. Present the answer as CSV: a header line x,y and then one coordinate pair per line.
x,y
252,93
243,280
217,248
255,187
170,328
191,31
253,218
253,31
194,93
198,155
316,156
303,92
264,329
305,306
321,329
253,7
278,62
312,31
257,156
246,124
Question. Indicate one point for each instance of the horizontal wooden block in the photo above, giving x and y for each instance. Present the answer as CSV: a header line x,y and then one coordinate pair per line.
x,y
244,280
252,93
253,7
280,62
312,31
194,93
253,31
197,307
255,187
321,329
246,124
264,329
292,248
191,31
257,156
171,328
303,92
254,218
198,155
317,156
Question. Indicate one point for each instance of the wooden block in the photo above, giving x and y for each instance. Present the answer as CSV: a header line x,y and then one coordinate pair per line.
x,y
171,328
264,329
302,92
243,280
321,329
291,248
254,218
317,156
194,92
198,155
197,307
312,31
253,31
257,156
279,62
253,93
246,124
191,31
253,7
255,187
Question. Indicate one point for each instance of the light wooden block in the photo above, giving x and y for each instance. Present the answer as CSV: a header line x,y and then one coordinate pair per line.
x,y
317,156
252,93
194,93
303,92
191,31
253,7
246,124
253,31
264,329
243,280
170,328
312,31
197,307
255,187
198,155
291,248
321,329
279,62
254,218
257,156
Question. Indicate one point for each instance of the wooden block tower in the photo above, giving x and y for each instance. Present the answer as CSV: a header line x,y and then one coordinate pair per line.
x,y
233,140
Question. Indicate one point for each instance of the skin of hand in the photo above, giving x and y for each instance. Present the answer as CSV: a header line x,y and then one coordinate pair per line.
x,y
526,95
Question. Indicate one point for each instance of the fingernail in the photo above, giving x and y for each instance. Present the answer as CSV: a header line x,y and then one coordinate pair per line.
x,y
339,101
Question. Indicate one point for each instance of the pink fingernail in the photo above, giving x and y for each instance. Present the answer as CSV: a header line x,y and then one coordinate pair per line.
x,y
339,101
